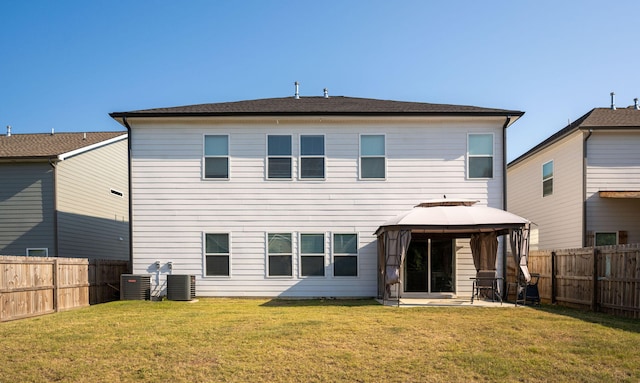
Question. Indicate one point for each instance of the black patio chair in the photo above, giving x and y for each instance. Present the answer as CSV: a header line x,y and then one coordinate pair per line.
x,y
528,291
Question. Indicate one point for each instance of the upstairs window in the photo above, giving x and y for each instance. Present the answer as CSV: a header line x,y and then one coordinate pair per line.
x,y
345,255
279,253
311,157
312,255
547,179
279,157
216,156
217,256
372,156
480,156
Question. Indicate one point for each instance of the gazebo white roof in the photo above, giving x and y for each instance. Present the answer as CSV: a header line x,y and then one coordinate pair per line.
x,y
454,217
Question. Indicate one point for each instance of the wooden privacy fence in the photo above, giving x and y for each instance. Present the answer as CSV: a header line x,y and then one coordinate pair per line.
x,y
603,278
31,286
104,280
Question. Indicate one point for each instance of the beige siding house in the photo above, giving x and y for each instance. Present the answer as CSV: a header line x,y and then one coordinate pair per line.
x,y
64,195
581,186
282,196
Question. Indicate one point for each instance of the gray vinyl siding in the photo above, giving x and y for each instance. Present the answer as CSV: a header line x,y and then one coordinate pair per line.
x,y
26,208
173,206
93,222
557,218
613,165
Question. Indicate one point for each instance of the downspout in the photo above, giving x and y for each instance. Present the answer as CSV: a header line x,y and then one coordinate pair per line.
x,y
584,190
126,124
504,201
55,206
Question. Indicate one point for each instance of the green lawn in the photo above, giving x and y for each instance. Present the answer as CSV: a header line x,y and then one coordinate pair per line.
x,y
253,340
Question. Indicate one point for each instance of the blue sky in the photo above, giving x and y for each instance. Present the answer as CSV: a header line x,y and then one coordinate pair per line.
x,y
67,64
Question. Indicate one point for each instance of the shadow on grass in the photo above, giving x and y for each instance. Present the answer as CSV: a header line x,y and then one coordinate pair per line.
x,y
284,302
608,320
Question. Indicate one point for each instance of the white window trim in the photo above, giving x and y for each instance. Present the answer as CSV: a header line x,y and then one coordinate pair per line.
x,y
301,156
360,157
266,253
493,156
553,170
29,249
334,254
205,254
324,256
291,156
227,156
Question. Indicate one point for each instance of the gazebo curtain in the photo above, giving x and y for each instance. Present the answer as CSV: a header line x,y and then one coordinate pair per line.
x,y
484,249
396,244
520,249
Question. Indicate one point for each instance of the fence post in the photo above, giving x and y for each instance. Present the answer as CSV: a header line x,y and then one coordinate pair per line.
x,y
96,286
594,284
56,286
553,277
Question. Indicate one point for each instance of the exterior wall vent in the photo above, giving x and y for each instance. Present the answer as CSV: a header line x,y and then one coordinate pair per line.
x,y
181,287
135,287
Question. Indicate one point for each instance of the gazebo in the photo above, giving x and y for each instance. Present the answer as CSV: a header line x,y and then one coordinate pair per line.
x,y
450,219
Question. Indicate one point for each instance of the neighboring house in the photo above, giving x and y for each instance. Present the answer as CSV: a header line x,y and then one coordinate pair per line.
x,y
64,195
581,186
283,196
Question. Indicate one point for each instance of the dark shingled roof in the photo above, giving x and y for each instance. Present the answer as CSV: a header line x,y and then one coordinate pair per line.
x,y
597,118
46,145
609,118
337,105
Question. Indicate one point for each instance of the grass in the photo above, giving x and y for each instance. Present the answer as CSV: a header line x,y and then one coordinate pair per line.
x,y
253,340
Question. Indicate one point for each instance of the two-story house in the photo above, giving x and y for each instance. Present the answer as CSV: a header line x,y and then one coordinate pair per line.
x,y
64,195
581,186
283,196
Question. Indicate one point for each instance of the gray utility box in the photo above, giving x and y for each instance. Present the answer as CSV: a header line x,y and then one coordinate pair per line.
x,y
135,287
181,287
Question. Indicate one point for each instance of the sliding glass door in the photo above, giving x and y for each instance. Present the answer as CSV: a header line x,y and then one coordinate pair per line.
x,y
429,266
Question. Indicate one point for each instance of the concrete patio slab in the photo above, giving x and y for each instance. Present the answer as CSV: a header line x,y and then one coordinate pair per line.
x,y
448,302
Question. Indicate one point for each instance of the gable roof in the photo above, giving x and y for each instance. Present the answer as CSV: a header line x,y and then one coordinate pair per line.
x,y
58,145
595,119
335,105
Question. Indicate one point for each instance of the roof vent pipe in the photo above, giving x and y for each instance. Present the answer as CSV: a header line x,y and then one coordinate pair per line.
x,y
297,96
635,104
613,101
326,93
8,130
52,131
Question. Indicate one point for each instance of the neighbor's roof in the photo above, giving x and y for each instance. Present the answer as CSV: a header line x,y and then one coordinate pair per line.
x,y
335,105
455,217
597,118
47,145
